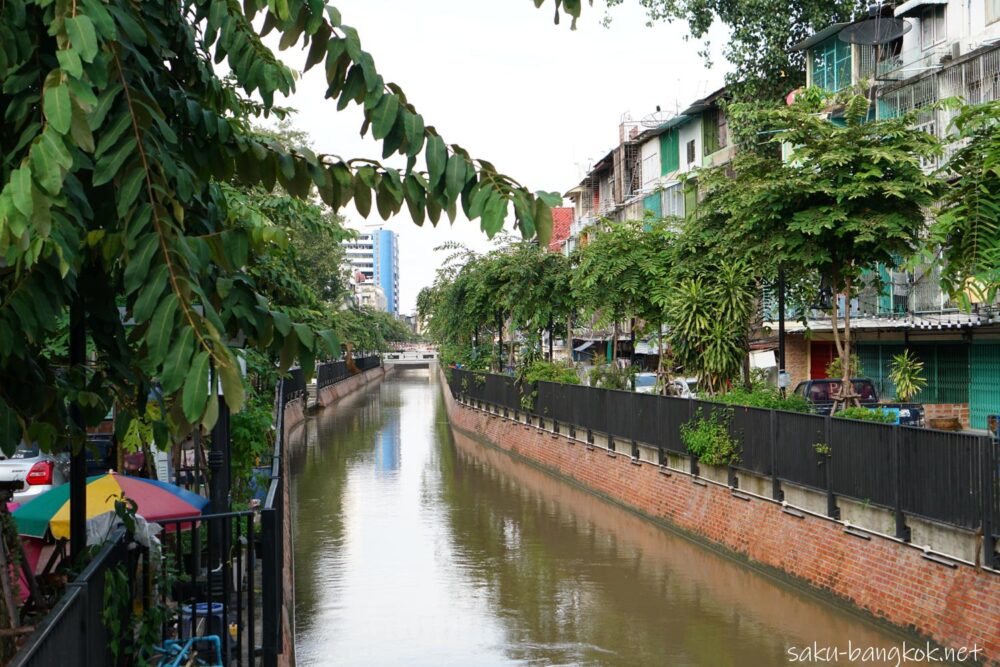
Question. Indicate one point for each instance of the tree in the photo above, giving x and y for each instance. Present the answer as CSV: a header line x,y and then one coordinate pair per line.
x,y
709,317
118,142
761,36
853,195
967,229
618,272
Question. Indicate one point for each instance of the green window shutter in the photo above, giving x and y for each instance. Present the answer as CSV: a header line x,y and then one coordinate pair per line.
x,y
710,132
652,204
690,197
984,391
670,157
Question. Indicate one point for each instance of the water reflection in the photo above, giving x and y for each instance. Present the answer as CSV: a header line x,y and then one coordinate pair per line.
x,y
418,546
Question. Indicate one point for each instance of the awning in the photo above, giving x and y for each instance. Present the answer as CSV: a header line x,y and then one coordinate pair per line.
x,y
584,346
913,6
818,37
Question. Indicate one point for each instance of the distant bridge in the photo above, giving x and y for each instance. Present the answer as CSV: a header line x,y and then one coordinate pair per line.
x,y
410,358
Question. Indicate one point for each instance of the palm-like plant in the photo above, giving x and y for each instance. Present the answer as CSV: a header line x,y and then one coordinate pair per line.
x,y
906,372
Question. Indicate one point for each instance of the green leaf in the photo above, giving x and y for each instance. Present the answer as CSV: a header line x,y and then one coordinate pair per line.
x,y
304,334
82,36
57,108
149,295
437,159
69,61
384,116
196,387
107,167
211,415
20,185
162,326
232,382
176,363
281,322
455,176
129,190
362,197
413,128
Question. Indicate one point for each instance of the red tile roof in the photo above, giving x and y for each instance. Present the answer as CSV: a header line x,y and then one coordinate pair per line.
x,y
562,218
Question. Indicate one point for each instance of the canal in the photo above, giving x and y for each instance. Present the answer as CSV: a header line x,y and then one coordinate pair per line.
x,y
416,546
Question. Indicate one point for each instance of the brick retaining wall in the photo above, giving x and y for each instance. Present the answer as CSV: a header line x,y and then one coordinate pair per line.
x,y
955,604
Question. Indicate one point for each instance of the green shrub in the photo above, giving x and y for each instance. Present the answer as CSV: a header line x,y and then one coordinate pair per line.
x,y
708,438
867,414
545,371
764,396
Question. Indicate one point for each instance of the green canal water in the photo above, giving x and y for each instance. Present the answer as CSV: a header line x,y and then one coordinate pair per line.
x,y
416,546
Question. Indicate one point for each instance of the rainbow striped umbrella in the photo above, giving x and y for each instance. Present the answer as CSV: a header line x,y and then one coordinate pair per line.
x,y
156,501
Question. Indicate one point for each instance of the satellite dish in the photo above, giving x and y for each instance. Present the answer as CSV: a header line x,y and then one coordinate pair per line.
x,y
873,31
655,119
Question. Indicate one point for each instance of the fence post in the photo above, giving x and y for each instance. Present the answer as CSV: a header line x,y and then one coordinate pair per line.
x,y
990,482
694,459
776,491
832,510
270,582
902,530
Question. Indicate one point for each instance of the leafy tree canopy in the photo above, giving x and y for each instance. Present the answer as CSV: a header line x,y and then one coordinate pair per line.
x,y
967,229
852,194
119,143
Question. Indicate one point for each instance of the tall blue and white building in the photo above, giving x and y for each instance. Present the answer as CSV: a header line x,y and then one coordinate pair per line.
x,y
375,255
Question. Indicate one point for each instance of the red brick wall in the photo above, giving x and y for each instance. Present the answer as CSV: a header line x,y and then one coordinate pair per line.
x,y
954,606
960,410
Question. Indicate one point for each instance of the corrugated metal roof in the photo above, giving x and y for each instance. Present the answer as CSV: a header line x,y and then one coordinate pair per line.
x,y
818,37
925,322
908,8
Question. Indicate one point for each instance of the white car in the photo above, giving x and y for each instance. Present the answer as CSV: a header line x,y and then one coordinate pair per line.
x,y
36,471
645,383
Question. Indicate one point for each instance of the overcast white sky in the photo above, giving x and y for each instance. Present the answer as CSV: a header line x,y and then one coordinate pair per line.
x,y
537,100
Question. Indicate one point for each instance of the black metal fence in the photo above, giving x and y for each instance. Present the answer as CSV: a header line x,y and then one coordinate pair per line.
x,y
208,575
335,371
938,475
75,632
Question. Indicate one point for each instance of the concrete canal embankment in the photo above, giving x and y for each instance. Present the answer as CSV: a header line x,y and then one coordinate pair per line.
x,y
948,601
294,417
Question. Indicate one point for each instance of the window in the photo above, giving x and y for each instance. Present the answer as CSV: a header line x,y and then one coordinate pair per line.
x,y
992,11
673,201
831,65
650,169
691,152
715,132
932,26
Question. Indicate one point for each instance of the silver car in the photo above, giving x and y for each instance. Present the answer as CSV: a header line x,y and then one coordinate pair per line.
x,y
37,472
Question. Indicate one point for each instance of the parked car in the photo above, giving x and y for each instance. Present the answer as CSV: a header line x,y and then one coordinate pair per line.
x,y
822,392
645,383
683,387
37,472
